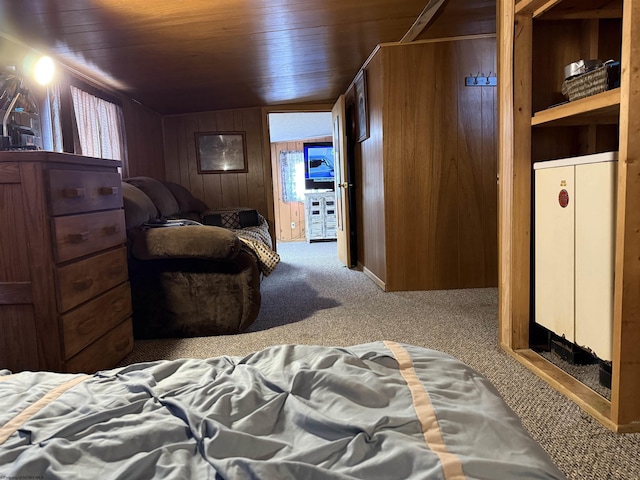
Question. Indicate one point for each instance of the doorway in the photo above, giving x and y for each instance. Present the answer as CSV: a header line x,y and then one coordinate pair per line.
x,y
288,131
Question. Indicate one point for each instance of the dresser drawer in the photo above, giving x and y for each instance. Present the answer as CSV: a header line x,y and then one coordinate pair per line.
x,y
105,352
79,235
316,230
90,321
83,280
72,191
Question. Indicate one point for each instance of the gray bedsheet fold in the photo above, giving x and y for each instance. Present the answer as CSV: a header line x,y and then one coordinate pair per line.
x,y
374,411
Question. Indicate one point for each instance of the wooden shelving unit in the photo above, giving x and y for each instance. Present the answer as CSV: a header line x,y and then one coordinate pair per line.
x,y
536,38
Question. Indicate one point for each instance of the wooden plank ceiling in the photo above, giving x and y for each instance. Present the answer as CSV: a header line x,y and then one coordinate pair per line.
x,y
198,55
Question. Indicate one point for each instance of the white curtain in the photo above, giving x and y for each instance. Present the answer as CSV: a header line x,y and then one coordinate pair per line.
x,y
99,126
51,122
292,170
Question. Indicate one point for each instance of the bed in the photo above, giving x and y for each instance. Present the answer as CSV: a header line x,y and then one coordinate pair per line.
x,y
381,410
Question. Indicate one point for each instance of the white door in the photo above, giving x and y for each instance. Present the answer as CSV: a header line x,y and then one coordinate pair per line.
x,y
342,197
595,252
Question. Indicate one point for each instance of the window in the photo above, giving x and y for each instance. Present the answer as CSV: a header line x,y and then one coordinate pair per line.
x,y
292,169
99,124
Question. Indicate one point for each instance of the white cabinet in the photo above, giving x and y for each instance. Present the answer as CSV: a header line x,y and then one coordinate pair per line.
x,y
574,247
320,216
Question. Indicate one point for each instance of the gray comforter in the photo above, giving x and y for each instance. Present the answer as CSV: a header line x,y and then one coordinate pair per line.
x,y
374,411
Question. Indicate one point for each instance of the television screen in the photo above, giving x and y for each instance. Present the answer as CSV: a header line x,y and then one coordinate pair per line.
x,y
318,165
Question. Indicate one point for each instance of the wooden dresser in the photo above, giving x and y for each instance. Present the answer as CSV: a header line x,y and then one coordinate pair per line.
x,y
65,302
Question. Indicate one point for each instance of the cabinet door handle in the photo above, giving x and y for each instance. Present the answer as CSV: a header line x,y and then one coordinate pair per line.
x,y
83,284
111,229
79,237
109,190
73,192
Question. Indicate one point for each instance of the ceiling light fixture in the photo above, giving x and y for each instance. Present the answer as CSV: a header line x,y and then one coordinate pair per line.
x,y
43,70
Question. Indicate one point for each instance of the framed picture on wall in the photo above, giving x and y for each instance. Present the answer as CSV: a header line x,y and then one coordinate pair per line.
x,y
362,112
221,152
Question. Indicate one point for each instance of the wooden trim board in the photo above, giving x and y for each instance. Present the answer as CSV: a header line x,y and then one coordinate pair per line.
x,y
373,277
587,399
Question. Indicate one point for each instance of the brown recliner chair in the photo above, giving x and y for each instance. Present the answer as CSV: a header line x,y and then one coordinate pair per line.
x,y
185,280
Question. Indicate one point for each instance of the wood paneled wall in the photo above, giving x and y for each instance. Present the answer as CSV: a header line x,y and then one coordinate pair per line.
x,y
252,189
433,146
370,196
287,213
143,131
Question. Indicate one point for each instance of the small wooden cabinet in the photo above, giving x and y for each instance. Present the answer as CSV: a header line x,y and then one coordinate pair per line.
x,y
65,303
320,216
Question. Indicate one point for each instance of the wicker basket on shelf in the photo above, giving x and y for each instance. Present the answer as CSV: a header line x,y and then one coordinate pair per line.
x,y
598,80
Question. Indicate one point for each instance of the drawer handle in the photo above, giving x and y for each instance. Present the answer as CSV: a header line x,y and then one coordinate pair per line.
x,y
84,284
86,326
79,237
73,192
118,306
111,229
109,190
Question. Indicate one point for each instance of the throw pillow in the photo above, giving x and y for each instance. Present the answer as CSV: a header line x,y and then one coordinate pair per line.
x,y
213,219
249,218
